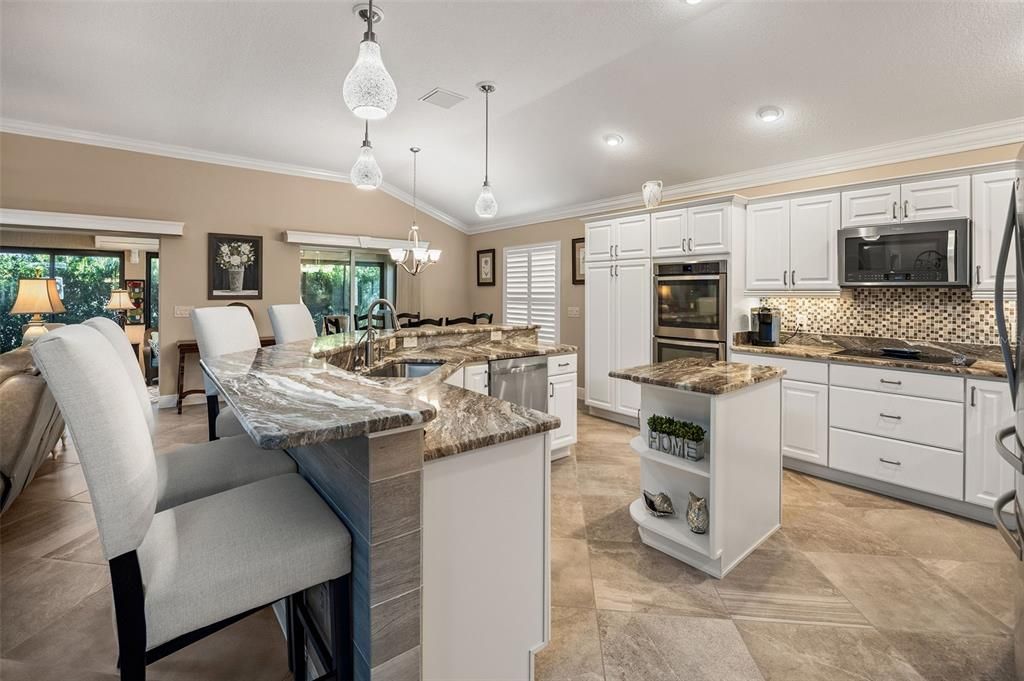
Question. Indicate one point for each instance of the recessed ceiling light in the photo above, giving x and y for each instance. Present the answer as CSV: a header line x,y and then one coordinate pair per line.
x,y
692,2
613,140
769,114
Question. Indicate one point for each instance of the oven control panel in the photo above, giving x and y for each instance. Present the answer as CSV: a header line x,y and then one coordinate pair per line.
x,y
670,269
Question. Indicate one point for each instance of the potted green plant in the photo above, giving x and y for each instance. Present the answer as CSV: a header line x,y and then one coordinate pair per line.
x,y
694,441
679,438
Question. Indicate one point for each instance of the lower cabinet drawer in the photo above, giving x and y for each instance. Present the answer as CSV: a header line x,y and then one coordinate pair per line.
x,y
561,364
928,469
808,371
914,419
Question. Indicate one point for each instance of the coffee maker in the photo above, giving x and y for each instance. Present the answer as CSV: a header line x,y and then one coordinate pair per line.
x,y
765,323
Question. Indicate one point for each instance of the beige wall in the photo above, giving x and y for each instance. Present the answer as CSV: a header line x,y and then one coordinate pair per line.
x,y
48,175
489,298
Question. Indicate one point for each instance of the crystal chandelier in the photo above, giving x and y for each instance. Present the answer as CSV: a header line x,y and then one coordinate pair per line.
x,y
369,91
414,258
365,173
486,205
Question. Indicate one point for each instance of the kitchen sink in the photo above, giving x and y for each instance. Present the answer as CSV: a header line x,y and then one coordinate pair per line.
x,y
404,369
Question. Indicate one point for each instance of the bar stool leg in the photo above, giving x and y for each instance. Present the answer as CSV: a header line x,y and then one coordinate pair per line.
x,y
341,627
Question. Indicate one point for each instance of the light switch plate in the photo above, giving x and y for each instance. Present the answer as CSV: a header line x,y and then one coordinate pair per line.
x,y
574,311
410,342
801,321
495,335
183,310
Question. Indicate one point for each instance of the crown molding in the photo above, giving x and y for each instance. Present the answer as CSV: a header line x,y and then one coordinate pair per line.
x,y
19,127
963,139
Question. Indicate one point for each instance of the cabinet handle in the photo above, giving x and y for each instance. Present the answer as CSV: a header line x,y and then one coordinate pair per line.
x,y
551,389
563,364
682,245
616,250
792,277
616,270
974,389
977,274
784,274
894,210
691,244
906,209
890,416
882,380
894,463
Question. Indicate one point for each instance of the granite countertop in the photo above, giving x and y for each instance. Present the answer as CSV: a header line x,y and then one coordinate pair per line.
x,y
988,364
325,346
284,396
711,377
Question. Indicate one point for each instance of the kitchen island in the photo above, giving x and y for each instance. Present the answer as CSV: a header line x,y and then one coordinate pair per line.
x,y
444,490
737,469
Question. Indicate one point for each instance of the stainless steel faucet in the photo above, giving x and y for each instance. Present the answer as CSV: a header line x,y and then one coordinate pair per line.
x,y
368,335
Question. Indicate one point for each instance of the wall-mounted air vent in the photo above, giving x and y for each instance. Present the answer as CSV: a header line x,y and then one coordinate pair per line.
x,y
445,99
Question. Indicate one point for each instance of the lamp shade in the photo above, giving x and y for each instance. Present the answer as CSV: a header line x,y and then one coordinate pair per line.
x,y
37,296
120,300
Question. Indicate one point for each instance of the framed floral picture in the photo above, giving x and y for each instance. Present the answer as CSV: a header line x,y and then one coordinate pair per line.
x,y
578,264
235,267
485,267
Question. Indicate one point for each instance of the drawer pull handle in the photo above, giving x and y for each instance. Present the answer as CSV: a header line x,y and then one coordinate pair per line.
x,y
894,463
563,364
551,389
891,416
882,380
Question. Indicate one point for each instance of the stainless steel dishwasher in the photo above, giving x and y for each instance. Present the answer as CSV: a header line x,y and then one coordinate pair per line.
x,y
521,381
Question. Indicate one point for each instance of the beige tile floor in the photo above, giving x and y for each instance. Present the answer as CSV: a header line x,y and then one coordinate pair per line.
x,y
855,586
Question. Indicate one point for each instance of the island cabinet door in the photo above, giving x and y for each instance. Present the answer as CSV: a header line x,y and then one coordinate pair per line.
x,y
986,475
805,421
599,335
632,292
562,403
476,376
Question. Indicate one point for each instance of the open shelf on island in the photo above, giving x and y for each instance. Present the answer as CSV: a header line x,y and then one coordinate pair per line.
x,y
702,467
673,528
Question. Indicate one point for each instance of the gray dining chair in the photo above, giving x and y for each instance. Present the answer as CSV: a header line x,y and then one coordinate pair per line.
x,y
193,471
291,323
221,331
181,574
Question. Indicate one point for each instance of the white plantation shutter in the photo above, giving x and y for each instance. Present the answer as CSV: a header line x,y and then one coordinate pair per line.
x,y
531,288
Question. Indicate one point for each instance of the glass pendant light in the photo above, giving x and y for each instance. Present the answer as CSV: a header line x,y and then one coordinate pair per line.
x,y
369,91
365,173
414,258
486,204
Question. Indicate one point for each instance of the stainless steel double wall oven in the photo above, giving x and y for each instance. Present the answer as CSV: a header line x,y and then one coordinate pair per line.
x,y
690,310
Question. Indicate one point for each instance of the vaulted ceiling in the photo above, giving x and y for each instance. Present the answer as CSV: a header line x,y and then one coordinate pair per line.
x,y
680,83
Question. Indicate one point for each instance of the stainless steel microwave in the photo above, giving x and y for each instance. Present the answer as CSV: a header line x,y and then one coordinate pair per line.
x,y
934,253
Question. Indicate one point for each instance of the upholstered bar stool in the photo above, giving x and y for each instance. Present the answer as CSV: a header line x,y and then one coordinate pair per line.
x,y
292,323
194,471
181,574
221,331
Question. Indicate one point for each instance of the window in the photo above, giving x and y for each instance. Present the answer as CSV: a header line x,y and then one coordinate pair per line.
x,y
328,287
84,282
531,288
153,290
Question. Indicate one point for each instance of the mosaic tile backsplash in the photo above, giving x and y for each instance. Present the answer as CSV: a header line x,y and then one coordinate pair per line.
x,y
926,314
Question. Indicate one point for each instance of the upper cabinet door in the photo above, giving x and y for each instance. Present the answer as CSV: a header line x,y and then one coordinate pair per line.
x,y
948,197
599,240
632,237
991,207
709,229
768,246
986,475
875,206
813,248
669,233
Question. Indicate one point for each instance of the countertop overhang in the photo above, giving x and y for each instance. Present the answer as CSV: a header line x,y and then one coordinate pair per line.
x,y
710,377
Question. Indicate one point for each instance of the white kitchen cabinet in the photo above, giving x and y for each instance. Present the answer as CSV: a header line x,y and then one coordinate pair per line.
x,y
768,246
709,229
805,421
599,337
938,199
932,199
874,206
813,247
991,206
476,378
669,232
457,379
599,240
989,409
791,244
633,237
618,332
562,403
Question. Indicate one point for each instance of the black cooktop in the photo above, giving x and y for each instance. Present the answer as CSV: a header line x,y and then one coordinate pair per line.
x,y
908,354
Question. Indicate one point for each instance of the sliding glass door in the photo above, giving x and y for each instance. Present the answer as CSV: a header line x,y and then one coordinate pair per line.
x,y
328,287
84,282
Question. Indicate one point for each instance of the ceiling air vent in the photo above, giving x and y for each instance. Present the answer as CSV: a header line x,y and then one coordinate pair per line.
x,y
445,99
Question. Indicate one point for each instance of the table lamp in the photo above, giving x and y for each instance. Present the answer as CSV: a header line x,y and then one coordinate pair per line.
x,y
36,297
122,302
